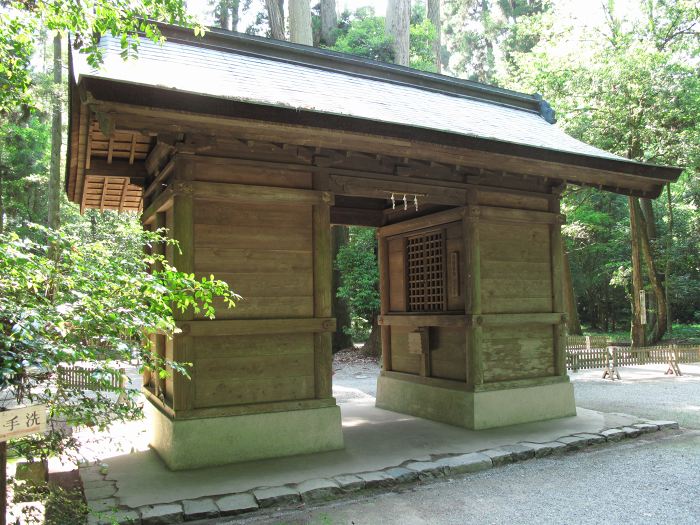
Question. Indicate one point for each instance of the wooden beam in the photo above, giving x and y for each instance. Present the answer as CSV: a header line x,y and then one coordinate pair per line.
x,y
247,193
497,214
158,156
357,216
117,169
420,320
160,178
426,221
553,318
141,117
160,204
378,188
232,327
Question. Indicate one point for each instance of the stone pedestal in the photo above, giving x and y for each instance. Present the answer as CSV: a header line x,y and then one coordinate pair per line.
x,y
194,443
450,402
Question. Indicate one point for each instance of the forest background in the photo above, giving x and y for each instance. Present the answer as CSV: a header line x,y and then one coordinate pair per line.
x,y
622,76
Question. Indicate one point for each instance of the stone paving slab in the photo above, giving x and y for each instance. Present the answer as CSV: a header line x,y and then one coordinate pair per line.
x,y
101,498
426,469
631,432
542,450
377,479
402,475
276,496
593,439
162,514
664,425
614,434
349,482
236,504
465,463
646,428
318,489
199,509
573,442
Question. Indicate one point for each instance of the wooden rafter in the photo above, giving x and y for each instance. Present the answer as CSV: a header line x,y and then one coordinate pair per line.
x,y
125,187
110,150
132,153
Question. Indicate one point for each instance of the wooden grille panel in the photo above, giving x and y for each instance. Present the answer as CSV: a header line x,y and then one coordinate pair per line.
x,y
425,257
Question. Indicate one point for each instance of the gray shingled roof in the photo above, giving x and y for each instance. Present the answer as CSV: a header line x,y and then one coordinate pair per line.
x,y
231,75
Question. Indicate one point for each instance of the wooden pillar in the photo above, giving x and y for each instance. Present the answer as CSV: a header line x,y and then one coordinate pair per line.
x,y
183,260
323,269
558,305
472,293
158,339
385,331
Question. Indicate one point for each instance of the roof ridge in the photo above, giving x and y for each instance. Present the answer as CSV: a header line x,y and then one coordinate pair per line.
x,y
358,66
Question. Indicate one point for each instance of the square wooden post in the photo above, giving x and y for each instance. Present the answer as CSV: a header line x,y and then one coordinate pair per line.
x,y
323,270
385,331
183,260
472,294
558,305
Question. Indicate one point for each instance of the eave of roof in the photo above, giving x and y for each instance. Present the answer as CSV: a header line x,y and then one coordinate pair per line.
x,y
165,95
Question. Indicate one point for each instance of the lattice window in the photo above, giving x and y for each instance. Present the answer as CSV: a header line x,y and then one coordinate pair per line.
x,y
425,257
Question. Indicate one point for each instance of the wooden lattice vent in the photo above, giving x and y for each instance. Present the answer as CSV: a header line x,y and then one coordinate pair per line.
x,y
113,166
425,257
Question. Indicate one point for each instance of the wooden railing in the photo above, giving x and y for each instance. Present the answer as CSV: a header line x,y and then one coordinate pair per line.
x,y
83,378
583,352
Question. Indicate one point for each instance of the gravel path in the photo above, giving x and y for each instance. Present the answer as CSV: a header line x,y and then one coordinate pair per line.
x,y
644,391
644,481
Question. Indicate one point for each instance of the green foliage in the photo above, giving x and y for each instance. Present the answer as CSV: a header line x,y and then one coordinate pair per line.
x,y
359,278
362,33
89,298
60,506
634,90
85,21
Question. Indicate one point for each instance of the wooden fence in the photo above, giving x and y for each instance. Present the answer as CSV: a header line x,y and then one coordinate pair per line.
x,y
83,378
584,352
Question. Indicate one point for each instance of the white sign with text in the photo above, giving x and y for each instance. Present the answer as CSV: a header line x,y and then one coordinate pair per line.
x,y
21,421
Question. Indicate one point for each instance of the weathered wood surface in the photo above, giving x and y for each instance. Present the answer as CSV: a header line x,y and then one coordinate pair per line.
x,y
517,352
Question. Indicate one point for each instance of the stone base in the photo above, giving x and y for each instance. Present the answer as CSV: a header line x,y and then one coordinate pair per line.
x,y
438,401
194,443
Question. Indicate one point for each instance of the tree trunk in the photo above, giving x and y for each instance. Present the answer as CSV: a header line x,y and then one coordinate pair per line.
x,y
647,215
434,17
573,323
329,22
669,248
339,238
373,346
300,22
637,333
2,204
234,6
56,139
660,319
275,16
398,21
